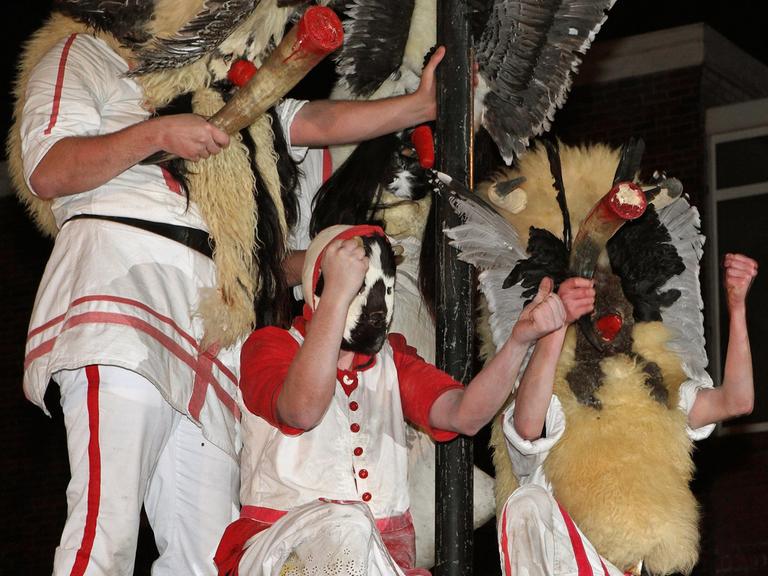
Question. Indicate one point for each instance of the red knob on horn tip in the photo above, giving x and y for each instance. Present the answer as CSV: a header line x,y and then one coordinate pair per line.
x,y
627,200
241,71
608,326
424,145
320,30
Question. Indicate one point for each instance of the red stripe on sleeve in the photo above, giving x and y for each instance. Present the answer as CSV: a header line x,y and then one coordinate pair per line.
x,y
59,83
94,480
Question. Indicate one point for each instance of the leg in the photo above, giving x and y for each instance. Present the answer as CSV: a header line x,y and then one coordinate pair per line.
x,y
538,538
117,423
192,497
320,538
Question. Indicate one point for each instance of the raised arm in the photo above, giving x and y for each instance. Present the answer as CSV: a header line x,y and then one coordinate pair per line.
x,y
329,122
536,384
311,379
467,410
80,163
736,395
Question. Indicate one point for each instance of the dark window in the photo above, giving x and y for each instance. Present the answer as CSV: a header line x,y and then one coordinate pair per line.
x,y
742,162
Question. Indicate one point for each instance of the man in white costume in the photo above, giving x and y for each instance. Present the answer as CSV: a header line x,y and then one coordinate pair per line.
x,y
537,537
324,463
151,414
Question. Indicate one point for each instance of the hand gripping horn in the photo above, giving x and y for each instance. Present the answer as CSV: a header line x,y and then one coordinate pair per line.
x,y
625,201
318,33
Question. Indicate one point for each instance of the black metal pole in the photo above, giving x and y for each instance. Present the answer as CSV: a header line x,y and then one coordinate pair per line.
x,y
454,298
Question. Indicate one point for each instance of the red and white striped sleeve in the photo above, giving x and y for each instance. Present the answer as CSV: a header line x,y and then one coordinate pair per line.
x,y
62,99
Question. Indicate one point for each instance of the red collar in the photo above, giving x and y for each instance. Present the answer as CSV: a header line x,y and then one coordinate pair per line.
x,y
360,362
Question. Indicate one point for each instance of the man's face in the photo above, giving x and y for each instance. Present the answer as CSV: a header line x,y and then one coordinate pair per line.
x,y
370,313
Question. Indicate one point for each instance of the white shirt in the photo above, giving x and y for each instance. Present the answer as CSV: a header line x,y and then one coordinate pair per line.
x,y
113,294
282,472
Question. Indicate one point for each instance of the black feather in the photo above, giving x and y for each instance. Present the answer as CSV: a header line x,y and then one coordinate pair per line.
x,y
375,35
642,256
549,257
127,20
629,161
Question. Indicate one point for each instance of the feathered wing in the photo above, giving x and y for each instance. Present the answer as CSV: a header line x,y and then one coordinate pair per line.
x,y
527,56
491,245
375,36
127,20
684,317
201,35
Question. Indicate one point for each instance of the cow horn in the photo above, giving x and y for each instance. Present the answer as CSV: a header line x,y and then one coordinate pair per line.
x,y
624,202
317,34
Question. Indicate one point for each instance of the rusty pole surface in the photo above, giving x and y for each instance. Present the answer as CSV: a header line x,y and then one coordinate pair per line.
x,y
454,280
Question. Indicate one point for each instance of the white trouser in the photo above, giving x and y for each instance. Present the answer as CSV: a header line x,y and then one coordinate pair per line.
x,y
536,538
127,446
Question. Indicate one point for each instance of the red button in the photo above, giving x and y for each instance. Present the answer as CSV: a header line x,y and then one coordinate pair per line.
x,y
363,473
355,427
354,406
366,496
358,451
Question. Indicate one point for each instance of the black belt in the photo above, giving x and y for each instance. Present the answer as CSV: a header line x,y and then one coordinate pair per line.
x,y
191,237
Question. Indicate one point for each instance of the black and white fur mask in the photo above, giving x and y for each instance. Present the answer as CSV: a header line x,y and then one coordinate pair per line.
x,y
370,313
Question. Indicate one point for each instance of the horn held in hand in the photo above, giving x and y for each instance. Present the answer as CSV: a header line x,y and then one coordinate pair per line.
x,y
317,34
625,201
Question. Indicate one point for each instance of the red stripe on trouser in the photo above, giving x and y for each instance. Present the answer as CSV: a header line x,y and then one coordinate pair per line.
x,y
59,83
94,477
582,562
505,544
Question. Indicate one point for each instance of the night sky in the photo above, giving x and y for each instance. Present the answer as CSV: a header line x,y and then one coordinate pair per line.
x,y
741,21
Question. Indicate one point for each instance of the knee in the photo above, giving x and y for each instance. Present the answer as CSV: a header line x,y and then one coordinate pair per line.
x,y
353,517
528,504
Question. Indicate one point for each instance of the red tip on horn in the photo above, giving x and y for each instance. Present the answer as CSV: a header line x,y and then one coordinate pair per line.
x,y
241,72
627,200
320,30
424,145
608,326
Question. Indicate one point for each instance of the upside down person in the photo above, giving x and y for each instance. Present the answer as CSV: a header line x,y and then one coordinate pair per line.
x,y
536,534
324,462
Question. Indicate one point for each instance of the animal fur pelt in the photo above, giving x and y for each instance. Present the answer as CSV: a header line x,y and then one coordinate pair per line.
x,y
623,472
622,469
222,185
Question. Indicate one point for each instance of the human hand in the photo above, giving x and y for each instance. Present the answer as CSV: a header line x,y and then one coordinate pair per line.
x,y
543,315
578,296
427,90
344,266
739,273
189,136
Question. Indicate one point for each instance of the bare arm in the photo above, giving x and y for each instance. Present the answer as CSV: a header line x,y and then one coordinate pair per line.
x,y
466,411
535,390
311,379
329,122
79,163
736,395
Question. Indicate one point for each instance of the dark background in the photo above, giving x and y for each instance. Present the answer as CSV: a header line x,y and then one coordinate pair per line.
x,y
34,463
